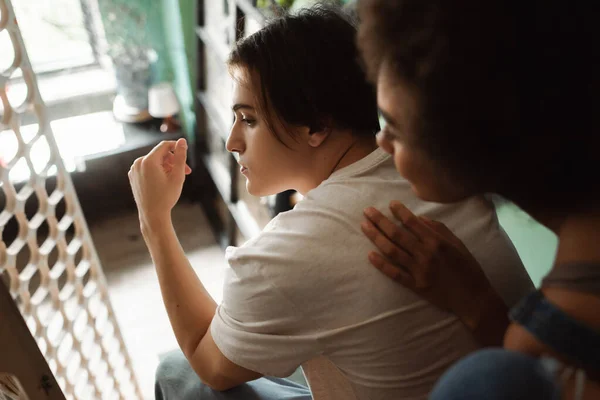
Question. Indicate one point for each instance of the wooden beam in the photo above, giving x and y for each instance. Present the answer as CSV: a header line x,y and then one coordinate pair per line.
x,y
222,127
21,356
218,48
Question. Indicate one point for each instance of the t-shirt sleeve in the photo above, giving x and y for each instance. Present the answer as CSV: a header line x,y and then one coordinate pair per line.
x,y
257,326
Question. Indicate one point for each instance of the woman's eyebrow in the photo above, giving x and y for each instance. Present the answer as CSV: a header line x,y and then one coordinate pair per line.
x,y
238,106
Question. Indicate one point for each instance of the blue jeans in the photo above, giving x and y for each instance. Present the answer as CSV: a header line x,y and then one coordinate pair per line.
x,y
496,374
176,380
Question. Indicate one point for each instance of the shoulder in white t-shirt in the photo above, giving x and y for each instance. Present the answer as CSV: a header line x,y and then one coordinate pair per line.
x,y
303,292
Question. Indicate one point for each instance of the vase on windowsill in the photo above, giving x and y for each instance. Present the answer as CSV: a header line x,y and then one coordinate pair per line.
x,y
133,74
128,27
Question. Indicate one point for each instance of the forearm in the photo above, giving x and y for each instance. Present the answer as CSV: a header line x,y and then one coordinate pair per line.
x,y
189,306
487,319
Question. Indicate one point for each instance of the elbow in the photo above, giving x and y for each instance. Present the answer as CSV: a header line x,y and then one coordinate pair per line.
x,y
218,384
216,381
209,372
176,361
190,346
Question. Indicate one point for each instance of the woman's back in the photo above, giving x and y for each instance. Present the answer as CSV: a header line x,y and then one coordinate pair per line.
x,y
301,292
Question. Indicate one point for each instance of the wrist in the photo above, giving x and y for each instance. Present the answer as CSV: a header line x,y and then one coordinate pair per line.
x,y
489,319
487,302
155,223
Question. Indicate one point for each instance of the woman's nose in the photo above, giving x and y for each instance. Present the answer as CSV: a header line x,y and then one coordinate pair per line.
x,y
384,143
235,141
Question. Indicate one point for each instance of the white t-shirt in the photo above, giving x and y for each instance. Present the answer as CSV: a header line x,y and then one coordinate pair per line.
x,y
304,293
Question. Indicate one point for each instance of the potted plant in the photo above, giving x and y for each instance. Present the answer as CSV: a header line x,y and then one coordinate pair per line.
x,y
130,49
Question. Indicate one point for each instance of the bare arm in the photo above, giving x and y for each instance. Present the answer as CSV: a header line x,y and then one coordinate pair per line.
x,y
189,306
157,181
489,321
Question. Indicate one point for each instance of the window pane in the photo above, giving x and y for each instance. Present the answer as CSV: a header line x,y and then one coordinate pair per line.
x,y
55,34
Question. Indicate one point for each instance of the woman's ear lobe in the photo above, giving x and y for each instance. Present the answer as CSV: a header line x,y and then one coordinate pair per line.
x,y
317,137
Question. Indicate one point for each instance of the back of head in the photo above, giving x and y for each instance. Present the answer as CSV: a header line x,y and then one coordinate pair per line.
x,y
507,92
307,72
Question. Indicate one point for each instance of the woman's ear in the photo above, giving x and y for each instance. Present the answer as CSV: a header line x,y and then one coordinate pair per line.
x,y
317,136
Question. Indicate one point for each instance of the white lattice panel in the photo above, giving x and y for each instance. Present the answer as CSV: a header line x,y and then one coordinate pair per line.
x,y
47,258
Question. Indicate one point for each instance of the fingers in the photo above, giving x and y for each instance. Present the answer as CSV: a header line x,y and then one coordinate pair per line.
x,y
169,162
170,152
161,150
435,225
443,231
410,221
165,147
391,271
400,237
169,157
393,252
169,167
135,165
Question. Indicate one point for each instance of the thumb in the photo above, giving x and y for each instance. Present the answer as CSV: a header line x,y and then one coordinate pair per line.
x,y
180,155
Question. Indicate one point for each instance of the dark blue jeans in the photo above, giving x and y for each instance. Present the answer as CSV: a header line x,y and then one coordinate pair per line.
x,y
497,374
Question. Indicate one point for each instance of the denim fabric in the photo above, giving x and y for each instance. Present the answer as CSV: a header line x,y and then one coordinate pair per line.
x,y
176,380
558,330
497,374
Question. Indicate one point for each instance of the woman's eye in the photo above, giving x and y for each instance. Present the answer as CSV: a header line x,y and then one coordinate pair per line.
x,y
248,121
387,135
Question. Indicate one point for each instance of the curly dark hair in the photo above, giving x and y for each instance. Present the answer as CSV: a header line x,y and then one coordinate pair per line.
x,y
507,92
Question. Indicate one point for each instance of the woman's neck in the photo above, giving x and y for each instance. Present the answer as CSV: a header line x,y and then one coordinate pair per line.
x,y
345,149
358,149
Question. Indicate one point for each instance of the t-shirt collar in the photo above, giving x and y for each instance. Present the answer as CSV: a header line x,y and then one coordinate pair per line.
x,y
376,157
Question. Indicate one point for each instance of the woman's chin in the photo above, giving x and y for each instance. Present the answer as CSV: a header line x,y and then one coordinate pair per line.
x,y
250,188
257,190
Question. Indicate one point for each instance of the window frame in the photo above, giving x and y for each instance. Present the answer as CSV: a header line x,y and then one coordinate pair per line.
x,y
93,26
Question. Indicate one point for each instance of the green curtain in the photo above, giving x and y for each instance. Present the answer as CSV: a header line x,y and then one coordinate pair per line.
x,y
171,27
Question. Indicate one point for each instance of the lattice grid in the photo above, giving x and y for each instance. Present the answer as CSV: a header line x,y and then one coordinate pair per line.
x,y
47,258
